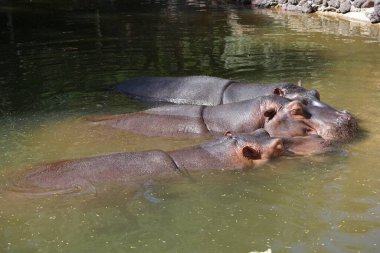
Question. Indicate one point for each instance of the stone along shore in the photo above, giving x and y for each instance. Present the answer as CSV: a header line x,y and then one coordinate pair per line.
x,y
364,10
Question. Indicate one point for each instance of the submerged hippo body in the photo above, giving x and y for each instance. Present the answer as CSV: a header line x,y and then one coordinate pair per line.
x,y
207,90
84,175
279,116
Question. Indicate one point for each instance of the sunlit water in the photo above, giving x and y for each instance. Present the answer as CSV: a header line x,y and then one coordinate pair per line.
x,y
57,64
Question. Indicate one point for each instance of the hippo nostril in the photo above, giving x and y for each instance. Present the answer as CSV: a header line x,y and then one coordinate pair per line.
x,y
343,120
345,114
228,133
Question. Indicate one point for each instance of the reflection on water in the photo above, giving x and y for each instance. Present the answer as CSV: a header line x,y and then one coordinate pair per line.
x,y
323,23
57,64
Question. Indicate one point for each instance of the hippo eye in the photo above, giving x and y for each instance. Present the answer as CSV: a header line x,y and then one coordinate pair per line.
x,y
304,101
251,153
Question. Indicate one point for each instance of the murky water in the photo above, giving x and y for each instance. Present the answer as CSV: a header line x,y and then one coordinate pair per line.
x,y
57,63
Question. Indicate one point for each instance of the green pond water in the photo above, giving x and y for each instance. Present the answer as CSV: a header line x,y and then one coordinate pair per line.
x,y
58,62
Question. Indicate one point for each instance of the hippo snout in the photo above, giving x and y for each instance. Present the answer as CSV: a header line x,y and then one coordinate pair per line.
x,y
344,113
346,127
344,118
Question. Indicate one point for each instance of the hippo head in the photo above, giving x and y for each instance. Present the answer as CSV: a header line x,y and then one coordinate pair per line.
x,y
292,92
297,92
245,150
300,118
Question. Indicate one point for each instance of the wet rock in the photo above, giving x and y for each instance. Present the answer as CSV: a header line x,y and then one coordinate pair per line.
x,y
369,4
308,6
303,6
291,7
374,17
339,6
334,3
264,3
345,6
363,3
328,8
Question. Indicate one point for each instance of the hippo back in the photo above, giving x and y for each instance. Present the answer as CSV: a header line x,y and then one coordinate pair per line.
x,y
201,90
85,175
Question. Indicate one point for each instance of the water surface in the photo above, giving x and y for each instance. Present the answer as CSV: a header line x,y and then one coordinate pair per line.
x,y
57,65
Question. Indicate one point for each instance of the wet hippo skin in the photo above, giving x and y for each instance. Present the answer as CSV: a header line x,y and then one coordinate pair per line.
x,y
280,116
85,175
208,90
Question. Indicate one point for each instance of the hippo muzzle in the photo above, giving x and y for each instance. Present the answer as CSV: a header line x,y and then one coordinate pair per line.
x,y
344,129
302,118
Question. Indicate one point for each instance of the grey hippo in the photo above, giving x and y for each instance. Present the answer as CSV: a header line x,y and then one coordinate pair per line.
x,y
87,175
278,115
208,90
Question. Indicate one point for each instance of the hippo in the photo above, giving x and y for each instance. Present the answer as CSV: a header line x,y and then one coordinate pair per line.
x,y
309,145
208,90
85,176
278,115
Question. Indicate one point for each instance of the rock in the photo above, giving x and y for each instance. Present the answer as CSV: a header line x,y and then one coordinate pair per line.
x,y
334,3
345,6
368,4
328,8
264,3
352,9
360,16
308,7
363,3
290,7
305,7
374,17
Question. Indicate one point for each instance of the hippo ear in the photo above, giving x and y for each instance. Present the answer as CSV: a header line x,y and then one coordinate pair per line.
x,y
250,153
270,113
278,92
